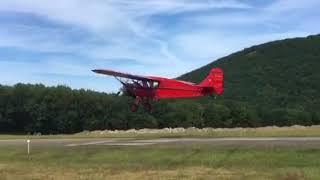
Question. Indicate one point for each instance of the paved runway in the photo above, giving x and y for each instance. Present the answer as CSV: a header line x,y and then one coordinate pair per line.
x,y
278,141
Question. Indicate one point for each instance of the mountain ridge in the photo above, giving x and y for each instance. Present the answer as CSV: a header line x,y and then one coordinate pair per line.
x,y
282,72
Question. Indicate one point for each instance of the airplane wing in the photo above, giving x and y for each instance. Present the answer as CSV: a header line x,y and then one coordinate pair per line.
x,y
123,75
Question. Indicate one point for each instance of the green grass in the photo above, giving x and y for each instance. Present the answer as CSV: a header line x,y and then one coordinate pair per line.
x,y
159,162
247,132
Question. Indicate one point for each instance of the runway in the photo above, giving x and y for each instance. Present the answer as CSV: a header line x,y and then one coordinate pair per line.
x,y
272,141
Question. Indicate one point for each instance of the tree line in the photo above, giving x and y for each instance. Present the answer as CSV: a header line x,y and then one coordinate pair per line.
x,y
26,108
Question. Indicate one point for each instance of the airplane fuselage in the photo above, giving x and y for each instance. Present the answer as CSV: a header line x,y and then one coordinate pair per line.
x,y
169,88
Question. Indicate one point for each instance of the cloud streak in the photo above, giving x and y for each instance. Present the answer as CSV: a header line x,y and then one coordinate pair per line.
x,y
60,41
146,8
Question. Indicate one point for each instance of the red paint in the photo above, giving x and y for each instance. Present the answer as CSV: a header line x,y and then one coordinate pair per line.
x,y
153,88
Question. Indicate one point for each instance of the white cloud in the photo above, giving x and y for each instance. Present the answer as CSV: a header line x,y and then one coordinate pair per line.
x,y
37,39
122,34
282,6
196,33
201,44
95,15
208,46
147,8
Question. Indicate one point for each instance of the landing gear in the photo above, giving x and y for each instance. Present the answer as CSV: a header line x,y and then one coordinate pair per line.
x,y
135,105
134,108
146,104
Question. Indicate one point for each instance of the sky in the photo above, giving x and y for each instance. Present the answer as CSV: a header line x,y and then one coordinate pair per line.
x,y
59,42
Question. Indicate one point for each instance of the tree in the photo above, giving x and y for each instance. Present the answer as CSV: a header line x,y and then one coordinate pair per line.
x,y
184,114
217,115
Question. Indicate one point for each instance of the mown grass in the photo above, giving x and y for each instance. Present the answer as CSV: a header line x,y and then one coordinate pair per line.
x,y
238,132
159,162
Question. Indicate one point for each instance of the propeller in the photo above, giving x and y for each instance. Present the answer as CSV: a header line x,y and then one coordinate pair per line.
x,y
122,92
118,93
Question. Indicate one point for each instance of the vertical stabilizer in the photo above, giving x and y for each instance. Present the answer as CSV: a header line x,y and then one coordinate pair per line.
x,y
214,80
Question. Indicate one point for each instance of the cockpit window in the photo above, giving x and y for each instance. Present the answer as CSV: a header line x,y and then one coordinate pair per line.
x,y
155,84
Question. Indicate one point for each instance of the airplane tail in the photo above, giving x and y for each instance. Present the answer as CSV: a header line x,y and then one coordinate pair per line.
x,y
214,80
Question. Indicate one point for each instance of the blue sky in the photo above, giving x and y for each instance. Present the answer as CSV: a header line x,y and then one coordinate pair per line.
x,y
59,42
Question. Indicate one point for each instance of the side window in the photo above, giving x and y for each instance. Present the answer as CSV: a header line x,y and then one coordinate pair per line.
x,y
155,84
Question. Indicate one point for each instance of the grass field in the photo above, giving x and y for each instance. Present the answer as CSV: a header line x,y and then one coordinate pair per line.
x,y
177,161
294,131
159,162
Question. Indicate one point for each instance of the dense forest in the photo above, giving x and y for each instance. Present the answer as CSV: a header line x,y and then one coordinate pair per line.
x,y
276,83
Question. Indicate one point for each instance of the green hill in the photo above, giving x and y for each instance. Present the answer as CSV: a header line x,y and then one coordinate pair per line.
x,y
284,73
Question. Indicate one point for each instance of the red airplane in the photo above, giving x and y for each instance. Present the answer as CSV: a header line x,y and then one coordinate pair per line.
x,y
146,88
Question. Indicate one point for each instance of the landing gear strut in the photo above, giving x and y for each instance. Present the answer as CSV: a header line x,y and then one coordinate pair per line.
x,y
135,105
146,104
